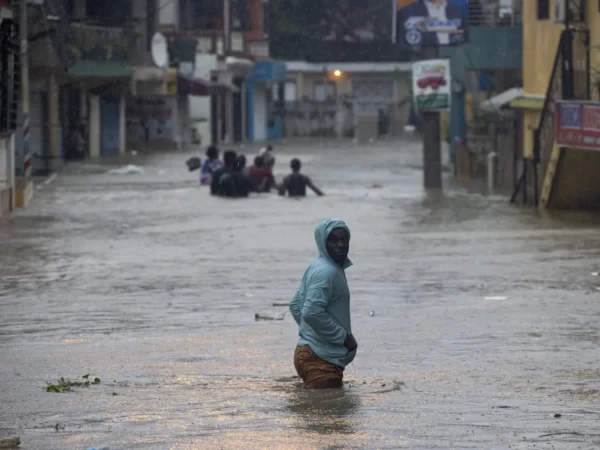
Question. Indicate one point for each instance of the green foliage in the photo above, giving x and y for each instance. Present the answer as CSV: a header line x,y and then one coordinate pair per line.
x,y
66,385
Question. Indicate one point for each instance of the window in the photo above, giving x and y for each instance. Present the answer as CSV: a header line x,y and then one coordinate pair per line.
x,y
290,91
322,91
543,9
576,11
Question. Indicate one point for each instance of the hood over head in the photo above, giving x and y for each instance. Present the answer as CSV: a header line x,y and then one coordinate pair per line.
x,y
322,233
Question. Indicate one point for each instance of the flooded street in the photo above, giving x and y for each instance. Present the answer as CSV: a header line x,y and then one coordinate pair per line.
x,y
477,321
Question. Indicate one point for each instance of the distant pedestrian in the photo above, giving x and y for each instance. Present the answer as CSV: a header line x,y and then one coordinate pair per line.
x,y
321,308
295,183
229,159
261,177
383,123
210,165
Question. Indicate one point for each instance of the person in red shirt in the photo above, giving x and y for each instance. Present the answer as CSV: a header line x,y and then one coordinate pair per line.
x,y
261,177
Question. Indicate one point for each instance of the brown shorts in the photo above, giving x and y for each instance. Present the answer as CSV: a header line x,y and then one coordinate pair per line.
x,y
316,372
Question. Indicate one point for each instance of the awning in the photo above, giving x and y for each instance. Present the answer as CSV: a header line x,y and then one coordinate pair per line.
x,y
529,101
513,98
201,87
500,101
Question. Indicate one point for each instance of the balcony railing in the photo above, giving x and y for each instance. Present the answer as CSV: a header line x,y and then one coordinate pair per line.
x,y
100,43
495,13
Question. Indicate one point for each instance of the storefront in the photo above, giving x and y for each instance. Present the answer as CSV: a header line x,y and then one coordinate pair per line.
x,y
265,115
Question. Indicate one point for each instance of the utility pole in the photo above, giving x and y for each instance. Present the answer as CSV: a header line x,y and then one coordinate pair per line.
x,y
228,119
226,26
432,158
24,156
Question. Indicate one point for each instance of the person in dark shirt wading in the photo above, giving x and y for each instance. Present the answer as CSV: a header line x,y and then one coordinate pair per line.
x,y
295,183
229,159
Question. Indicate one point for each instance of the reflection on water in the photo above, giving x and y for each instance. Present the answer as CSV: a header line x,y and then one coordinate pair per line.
x,y
153,285
324,411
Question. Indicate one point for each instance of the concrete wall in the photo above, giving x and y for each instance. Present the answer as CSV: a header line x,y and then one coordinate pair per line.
x,y
308,117
540,42
199,107
576,181
122,125
260,112
7,175
94,128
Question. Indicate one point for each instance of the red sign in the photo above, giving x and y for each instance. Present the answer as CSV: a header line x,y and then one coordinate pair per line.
x,y
577,124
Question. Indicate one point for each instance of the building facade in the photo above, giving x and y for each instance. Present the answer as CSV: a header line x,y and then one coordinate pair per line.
x,y
345,99
9,99
559,63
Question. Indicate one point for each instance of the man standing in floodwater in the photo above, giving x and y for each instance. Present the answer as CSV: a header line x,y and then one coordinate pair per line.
x,y
295,183
321,308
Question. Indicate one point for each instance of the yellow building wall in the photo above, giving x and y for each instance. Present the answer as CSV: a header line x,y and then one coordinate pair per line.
x,y
540,42
575,184
531,120
594,27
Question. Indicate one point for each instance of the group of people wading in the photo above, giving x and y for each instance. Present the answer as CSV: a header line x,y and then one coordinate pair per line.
x,y
231,177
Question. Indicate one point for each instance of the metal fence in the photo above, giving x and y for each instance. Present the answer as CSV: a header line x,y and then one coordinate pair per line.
x,y
495,13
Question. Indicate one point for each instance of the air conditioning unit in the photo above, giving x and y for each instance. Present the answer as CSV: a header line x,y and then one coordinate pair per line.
x,y
576,10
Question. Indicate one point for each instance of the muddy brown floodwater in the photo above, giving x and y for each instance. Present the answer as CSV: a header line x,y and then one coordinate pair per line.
x,y
477,321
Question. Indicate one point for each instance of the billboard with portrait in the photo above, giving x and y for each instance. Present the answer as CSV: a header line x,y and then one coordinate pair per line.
x,y
431,23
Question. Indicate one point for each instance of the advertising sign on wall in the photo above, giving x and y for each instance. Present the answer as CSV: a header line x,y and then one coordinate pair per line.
x,y
578,124
431,23
431,85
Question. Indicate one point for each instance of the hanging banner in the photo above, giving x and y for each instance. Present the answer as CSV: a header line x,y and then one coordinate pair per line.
x,y
577,124
431,85
431,23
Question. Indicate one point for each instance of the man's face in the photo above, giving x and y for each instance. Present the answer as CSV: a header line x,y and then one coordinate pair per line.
x,y
338,245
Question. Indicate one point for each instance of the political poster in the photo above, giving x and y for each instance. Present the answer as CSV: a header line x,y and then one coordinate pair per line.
x,y
432,85
431,23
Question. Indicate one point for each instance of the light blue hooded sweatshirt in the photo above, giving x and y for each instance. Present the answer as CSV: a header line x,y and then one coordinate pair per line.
x,y
321,307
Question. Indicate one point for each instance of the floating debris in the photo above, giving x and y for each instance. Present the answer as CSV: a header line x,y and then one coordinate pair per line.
x,y
281,304
10,442
372,313
258,317
495,297
127,170
66,385
193,164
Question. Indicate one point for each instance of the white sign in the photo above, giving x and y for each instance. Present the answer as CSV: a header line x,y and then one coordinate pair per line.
x,y
432,85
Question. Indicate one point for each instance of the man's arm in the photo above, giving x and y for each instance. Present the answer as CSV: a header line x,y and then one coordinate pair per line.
x,y
214,183
316,190
272,183
295,308
283,187
315,314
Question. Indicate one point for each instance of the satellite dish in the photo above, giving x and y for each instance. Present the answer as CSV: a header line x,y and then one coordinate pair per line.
x,y
160,53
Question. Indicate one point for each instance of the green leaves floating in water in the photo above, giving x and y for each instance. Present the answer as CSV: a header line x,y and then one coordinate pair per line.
x,y
66,385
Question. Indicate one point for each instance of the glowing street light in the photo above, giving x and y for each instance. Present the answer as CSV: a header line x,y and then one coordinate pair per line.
x,y
337,73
